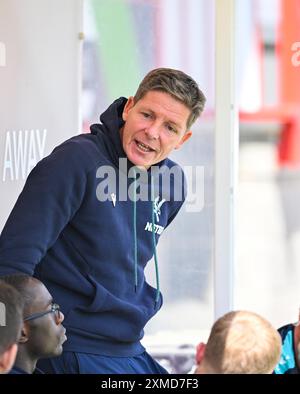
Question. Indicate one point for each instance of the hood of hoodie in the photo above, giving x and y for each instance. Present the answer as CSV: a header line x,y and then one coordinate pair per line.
x,y
109,129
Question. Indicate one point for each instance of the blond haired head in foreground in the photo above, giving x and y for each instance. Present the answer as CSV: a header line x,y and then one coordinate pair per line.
x,y
240,342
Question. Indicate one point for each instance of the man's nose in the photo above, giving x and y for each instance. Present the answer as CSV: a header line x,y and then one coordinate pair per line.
x,y
152,131
60,317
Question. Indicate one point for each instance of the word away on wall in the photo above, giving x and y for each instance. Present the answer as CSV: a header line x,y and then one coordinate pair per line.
x,y
23,149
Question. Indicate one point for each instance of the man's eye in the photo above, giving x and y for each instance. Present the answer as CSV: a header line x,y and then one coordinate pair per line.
x,y
146,115
171,128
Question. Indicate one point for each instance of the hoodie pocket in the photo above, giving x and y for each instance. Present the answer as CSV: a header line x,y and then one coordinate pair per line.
x,y
87,319
99,298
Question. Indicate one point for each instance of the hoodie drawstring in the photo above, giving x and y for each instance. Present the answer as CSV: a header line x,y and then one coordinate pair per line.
x,y
135,234
153,239
154,243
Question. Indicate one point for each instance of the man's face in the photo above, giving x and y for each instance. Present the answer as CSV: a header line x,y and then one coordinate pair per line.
x,y
46,333
154,126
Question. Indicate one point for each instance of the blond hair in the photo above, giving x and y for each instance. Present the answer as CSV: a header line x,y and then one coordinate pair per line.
x,y
242,342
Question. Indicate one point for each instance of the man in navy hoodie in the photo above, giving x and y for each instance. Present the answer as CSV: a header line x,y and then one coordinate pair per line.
x,y
90,216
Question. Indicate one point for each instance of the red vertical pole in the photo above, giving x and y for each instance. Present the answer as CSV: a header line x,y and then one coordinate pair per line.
x,y
289,81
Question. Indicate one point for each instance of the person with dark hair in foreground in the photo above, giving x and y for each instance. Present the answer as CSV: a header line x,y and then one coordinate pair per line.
x,y
42,334
11,320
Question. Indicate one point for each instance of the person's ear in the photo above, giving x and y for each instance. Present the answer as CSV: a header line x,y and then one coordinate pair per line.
x,y
7,359
129,104
24,337
200,351
187,136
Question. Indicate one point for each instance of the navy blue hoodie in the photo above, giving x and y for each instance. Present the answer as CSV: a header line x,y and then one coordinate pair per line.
x,y
83,249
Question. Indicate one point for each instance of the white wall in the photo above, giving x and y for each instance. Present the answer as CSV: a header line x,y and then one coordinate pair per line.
x,y
40,77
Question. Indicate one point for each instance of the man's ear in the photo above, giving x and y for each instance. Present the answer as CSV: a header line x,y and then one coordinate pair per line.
x,y
7,359
187,135
200,351
24,337
129,104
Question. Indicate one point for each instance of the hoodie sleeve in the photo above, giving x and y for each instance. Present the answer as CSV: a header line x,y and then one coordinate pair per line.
x,y
52,194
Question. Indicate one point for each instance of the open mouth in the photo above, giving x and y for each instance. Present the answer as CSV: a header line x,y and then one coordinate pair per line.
x,y
143,147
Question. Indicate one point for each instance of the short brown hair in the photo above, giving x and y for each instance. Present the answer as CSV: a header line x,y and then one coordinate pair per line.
x,y
179,85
